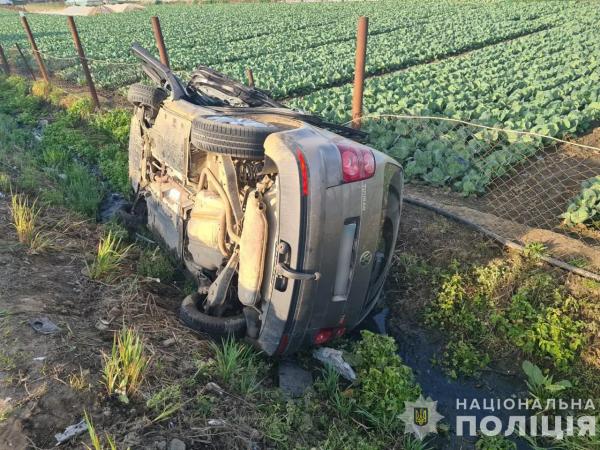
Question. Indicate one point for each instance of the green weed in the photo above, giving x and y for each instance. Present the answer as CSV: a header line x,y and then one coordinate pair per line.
x,y
156,264
580,262
118,231
30,178
112,160
124,369
340,437
506,304
542,387
81,190
384,382
495,443
5,185
25,217
95,439
463,359
108,258
116,123
412,443
535,250
81,108
165,402
237,365
5,410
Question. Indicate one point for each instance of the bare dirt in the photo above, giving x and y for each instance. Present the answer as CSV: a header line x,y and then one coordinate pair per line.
x,y
36,392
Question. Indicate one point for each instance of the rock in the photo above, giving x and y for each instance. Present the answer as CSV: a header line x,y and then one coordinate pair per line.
x,y
214,388
160,445
176,444
293,379
168,342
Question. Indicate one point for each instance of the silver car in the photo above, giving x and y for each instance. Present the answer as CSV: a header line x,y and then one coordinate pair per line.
x,y
287,224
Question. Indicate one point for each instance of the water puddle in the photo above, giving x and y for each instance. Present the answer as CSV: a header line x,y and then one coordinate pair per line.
x,y
418,347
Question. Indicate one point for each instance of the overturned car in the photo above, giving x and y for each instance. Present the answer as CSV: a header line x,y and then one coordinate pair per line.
x,y
287,224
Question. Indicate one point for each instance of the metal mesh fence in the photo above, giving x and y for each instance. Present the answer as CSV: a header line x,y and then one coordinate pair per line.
x,y
522,186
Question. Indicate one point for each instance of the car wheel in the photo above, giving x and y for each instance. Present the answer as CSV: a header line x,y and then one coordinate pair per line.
x,y
235,136
144,95
191,315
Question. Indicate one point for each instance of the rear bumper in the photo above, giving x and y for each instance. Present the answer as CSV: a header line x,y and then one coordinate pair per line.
x,y
330,228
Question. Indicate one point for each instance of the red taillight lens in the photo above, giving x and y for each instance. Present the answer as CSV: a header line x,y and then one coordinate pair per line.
x,y
323,335
358,162
303,173
326,334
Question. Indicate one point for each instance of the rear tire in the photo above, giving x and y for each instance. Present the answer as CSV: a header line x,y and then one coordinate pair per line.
x,y
191,316
238,137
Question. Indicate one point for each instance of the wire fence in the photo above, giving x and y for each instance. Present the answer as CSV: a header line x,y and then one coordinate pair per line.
x,y
522,186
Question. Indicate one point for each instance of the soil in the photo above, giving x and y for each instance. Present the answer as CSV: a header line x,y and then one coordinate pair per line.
x,y
35,369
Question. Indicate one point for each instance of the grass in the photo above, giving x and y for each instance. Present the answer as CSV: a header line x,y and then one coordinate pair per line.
x,y
25,221
78,381
81,192
237,365
495,443
109,256
124,369
95,439
165,402
155,263
5,184
5,409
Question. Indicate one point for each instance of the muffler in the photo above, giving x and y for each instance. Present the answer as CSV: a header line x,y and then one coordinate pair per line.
x,y
253,246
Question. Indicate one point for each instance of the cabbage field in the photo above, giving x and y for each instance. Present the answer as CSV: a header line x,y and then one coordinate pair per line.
x,y
515,64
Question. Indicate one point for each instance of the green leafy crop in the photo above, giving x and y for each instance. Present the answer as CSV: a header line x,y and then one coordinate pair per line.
x,y
585,208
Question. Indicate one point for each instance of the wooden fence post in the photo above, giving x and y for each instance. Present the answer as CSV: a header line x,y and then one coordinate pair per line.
x,y
160,42
34,49
5,65
359,71
84,65
25,63
250,77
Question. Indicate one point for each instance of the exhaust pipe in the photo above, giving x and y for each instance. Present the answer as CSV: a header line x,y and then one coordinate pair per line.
x,y
253,246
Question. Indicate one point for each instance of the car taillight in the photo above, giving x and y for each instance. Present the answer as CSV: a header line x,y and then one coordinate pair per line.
x,y
358,162
326,334
303,173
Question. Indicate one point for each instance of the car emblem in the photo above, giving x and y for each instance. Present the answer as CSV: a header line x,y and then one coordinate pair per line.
x,y
365,258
